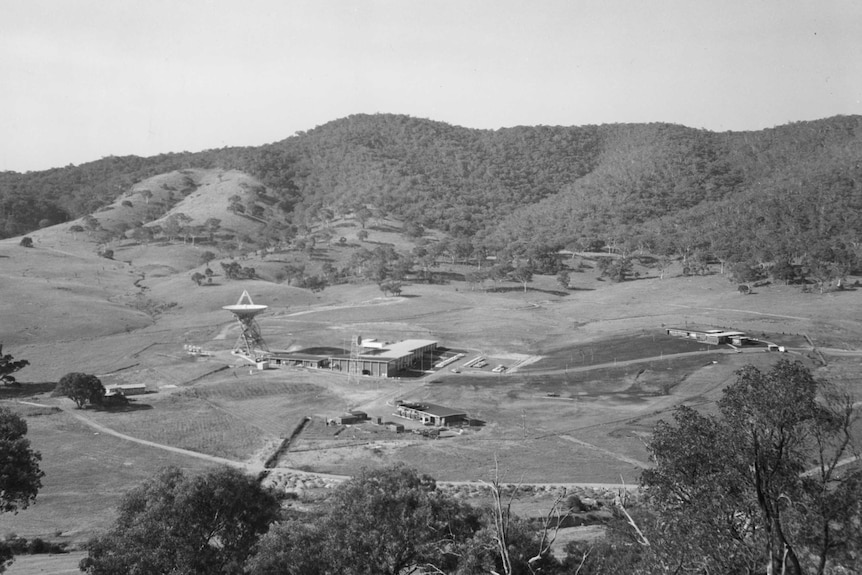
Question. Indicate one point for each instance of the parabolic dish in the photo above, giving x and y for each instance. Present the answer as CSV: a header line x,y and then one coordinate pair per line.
x,y
245,308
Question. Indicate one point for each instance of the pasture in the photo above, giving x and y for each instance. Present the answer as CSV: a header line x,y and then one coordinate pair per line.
x,y
594,371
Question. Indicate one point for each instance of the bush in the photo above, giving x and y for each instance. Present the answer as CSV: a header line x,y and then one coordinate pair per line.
x,y
37,546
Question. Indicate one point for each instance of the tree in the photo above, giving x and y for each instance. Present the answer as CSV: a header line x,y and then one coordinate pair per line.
x,y
563,278
20,475
26,242
174,523
735,491
522,274
784,270
617,269
390,286
8,366
82,388
381,522
91,224
198,278
363,214
207,256
746,273
212,226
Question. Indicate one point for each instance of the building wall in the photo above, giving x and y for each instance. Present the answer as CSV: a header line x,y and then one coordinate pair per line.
x,y
347,365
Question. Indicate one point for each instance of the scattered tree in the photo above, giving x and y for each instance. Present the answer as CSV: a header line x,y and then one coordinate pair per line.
x,y
522,274
26,242
564,278
198,278
82,388
8,366
616,269
747,273
390,286
207,257
234,271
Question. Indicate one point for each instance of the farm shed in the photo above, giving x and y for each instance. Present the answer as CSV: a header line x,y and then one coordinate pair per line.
x,y
430,413
710,336
386,359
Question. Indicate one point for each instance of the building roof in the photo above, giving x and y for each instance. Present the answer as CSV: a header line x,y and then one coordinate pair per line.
x,y
402,348
433,409
297,356
392,350
707,331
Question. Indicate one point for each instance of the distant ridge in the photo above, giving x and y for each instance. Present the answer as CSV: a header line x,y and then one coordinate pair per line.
x,y
518,188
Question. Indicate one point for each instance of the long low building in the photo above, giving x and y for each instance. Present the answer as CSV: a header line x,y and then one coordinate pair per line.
x,y
383,359
430,413
711,336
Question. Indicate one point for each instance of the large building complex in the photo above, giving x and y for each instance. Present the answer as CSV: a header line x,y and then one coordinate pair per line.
x,y
384,359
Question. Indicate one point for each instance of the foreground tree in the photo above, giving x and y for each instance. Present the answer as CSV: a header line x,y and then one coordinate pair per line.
x,y
8,366
174,523
735,492
382,522
20,476
82,388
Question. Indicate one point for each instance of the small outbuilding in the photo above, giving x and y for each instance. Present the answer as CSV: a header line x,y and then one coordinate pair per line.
x,y
431,414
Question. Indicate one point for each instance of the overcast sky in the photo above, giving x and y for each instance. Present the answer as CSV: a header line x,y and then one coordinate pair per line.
x,y
84,79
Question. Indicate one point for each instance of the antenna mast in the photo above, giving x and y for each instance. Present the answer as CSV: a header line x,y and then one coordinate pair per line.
x,y
354,367
250,341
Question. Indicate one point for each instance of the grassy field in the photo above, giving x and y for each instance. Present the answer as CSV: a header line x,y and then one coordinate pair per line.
x,y
576,410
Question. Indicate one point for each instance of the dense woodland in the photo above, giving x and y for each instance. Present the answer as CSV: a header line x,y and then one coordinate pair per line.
x,y
788,196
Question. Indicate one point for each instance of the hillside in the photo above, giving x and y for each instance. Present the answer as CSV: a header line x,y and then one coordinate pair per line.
x,y
788,192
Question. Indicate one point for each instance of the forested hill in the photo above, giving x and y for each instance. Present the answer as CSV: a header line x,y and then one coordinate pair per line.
x,y
663,187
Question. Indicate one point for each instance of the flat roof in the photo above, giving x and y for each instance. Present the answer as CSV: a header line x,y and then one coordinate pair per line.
x,y
392,350
432,409
297,356
717,332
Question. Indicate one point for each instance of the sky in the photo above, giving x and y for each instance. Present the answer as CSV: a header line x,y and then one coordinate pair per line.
x,y
85,79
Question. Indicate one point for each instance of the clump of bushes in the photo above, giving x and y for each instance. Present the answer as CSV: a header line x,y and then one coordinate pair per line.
x,y
35,546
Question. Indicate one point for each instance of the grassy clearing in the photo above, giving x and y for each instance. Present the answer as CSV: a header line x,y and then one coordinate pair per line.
x,y
86,474
63,564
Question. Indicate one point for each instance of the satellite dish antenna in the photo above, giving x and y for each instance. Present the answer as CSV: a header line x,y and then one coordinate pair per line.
x,y
250,341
